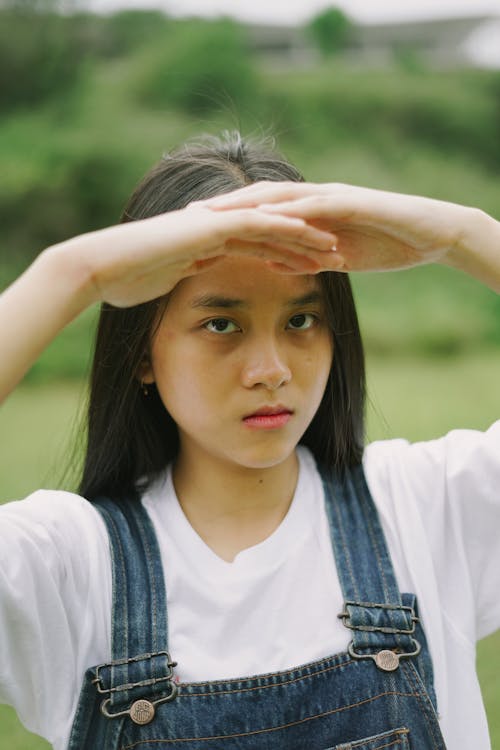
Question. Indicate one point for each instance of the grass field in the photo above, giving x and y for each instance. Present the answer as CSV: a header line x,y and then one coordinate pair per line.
x,y
408,397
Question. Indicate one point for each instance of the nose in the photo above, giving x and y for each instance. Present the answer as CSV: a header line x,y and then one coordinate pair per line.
x,y
265,366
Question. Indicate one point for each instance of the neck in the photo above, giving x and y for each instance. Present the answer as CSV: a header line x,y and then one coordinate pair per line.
x,y
233,507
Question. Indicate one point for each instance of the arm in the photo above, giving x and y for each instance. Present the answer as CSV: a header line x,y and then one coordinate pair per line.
x,y
40,303
478,250
136,262
379,230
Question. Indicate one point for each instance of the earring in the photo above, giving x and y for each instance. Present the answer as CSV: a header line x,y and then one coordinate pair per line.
x,y
144,388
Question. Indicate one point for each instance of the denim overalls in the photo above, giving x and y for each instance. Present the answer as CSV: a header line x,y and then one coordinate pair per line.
x,y
378,695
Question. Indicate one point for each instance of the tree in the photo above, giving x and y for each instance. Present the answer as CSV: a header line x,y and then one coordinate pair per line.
x,y
330,30
40,52
205,66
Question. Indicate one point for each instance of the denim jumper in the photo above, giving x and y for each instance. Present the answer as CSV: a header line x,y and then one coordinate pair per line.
x,y
378,695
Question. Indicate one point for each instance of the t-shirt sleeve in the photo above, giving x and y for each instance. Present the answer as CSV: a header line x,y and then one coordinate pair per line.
x,y
453,485
53,552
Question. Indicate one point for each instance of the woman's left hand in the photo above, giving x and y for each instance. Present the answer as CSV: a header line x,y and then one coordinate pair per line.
x,y
382,231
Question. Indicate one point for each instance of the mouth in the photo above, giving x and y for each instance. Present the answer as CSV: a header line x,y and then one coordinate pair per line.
x,y
268,417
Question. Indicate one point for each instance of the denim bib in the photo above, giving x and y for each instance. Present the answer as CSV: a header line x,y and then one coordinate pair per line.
x,y
378,695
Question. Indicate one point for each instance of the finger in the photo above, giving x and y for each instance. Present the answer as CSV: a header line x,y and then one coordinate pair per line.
x,y
275,265
285,268
297,260
341,204
308,207
324,261
300,259
261,192
257,225
205,263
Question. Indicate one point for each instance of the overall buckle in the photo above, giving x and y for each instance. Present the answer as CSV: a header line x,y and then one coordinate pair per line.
x,y
142,711
387,620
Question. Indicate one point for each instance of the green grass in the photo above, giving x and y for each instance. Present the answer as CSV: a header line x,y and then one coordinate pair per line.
x,y
408,397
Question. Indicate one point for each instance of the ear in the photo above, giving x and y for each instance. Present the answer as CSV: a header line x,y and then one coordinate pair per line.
x,y
145,372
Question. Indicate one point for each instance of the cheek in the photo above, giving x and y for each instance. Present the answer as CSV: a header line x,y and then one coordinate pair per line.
x,y
317,363
185,378
318,370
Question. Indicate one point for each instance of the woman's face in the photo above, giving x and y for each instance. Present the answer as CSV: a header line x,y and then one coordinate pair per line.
x,y
234,342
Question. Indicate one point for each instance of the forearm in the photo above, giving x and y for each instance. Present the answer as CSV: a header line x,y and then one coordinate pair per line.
x,y
40,303
477,251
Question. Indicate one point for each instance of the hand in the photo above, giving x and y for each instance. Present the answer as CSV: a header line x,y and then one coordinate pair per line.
x,y
376,230
138,261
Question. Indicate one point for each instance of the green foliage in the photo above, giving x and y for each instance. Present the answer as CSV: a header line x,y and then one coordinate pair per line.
x,y
455,113
330,30
41,53
203,67
75,195
67,170
126,31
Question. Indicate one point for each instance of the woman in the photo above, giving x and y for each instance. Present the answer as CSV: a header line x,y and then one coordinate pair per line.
x,y
229,485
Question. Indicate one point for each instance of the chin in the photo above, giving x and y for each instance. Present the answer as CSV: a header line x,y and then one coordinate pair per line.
x,y
264,458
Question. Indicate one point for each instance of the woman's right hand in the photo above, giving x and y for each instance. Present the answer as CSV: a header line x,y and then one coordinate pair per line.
x,y
131,263
135,262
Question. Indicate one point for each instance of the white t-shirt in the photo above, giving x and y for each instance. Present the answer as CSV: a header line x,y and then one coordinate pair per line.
x,y
275,606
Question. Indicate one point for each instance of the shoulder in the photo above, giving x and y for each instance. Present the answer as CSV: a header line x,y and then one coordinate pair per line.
x,y
55,604
58,523
450,465
56,509
440,508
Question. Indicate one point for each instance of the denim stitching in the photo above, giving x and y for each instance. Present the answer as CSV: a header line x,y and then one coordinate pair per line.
x,y
384,735
152,578
261,687
272,729
370,527
117,571
388,744
379,747
344,546
424,700
266,675
380,550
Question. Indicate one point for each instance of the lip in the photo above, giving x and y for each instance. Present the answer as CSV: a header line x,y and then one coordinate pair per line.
x,y
268,418
266,411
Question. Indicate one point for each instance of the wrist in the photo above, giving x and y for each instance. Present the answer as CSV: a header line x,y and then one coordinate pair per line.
x,y
69,277
477,248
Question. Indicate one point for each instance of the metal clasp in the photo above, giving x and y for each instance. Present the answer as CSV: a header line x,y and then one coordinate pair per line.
x,y
345,617
386,659
141,711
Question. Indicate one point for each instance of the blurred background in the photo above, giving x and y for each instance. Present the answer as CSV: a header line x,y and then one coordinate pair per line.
x,y
399,97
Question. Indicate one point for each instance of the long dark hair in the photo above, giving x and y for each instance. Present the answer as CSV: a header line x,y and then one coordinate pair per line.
x,y
130,437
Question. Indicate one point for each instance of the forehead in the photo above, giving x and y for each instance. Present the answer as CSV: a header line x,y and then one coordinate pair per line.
x,y
245,279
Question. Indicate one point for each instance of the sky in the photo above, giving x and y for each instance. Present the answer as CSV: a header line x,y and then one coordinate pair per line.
x,y
297,11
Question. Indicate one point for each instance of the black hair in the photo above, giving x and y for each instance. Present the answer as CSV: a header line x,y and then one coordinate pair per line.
x,y
130,438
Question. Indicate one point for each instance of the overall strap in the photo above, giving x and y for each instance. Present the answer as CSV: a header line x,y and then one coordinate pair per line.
x,y
141,666
382,625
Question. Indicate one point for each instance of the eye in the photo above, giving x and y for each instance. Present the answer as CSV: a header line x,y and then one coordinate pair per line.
x,y
302,321
220,325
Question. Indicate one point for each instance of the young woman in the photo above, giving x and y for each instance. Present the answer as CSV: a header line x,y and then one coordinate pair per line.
x,y
237,570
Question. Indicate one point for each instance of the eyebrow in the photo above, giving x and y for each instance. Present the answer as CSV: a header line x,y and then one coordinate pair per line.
x,y
219,301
